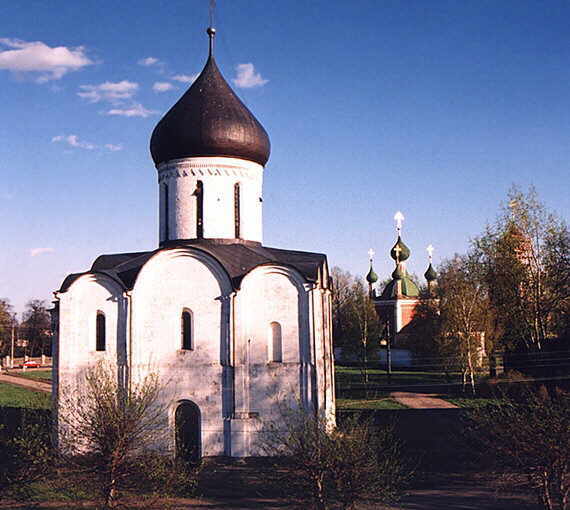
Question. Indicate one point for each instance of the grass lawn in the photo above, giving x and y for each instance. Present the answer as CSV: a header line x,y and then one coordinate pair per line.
x,y
43,374
353,376
16,396
471,403
366,404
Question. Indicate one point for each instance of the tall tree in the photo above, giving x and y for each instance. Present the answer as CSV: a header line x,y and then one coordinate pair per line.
x,y
36,328
452,327
342,311
466,317
356,327
7,321
525,262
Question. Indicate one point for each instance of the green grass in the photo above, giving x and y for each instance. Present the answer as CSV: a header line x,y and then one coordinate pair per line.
x,y
42,374
376,403
353,376
471,403
16,396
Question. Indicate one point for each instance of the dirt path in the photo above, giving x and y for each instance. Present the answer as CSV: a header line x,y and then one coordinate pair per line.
x,y
31,384
421,400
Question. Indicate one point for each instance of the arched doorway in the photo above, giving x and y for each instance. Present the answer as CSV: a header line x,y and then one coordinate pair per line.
x,y
188,431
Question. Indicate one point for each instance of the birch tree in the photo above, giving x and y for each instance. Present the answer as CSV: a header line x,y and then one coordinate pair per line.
x,y
525,261
465,314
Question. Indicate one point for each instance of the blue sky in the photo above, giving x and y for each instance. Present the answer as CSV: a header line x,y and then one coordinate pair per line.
x,y
433,108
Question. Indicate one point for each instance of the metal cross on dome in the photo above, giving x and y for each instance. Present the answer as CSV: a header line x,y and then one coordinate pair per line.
x,y
371,254
399,217
430,249
397,251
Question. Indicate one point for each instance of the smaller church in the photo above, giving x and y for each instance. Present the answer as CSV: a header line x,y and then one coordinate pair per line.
x,y
397,301
236,329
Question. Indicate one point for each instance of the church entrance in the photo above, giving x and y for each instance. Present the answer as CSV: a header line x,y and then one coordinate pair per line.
x,y
188,431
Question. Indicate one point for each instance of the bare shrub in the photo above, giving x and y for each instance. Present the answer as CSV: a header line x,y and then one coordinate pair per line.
x,y
530,433
113,428
344,465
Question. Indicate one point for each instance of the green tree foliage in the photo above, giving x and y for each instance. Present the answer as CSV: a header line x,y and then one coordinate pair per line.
x,y
453,327
525,263
36,328
25,453
356,327
530,434
6,322
465,315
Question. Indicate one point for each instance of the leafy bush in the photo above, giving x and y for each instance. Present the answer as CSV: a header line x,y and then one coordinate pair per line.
x,y
25,456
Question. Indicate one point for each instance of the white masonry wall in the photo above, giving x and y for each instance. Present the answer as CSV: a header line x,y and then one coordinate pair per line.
x,y
219,176
228,374
171,281
267,391
76,349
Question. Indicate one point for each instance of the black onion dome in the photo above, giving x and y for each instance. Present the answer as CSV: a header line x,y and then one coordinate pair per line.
x,y
209,120
430,275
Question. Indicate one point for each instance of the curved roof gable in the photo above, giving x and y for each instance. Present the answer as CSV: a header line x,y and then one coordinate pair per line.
x,y
237,259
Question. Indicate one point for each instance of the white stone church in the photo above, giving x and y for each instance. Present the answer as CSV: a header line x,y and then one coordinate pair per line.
x,y
237,330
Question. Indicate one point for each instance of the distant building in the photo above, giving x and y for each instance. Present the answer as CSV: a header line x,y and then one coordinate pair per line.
x,y
238,329
397,301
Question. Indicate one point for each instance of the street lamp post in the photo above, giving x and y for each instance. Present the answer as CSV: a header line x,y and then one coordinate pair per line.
x,y
13,338
387,343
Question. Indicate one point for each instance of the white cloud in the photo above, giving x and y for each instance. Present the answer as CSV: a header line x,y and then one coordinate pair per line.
x,y
136,110
148,61
113,147
38,57
162,86
247,78
73,141
108,91
34,252
186,78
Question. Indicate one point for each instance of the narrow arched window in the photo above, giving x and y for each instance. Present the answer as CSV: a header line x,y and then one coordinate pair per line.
x,y
166,211
186,331
237,219
100,332
199,209
275,346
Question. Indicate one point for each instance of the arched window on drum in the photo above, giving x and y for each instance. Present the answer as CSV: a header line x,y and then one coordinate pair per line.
x,y
275,343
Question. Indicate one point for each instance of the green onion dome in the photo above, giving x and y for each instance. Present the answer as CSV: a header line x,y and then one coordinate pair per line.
x,y
400,251
398,274
371,277
430,274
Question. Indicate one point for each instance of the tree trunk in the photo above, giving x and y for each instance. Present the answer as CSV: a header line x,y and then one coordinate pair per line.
x,y
112,489
545,497
320,492
471,369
